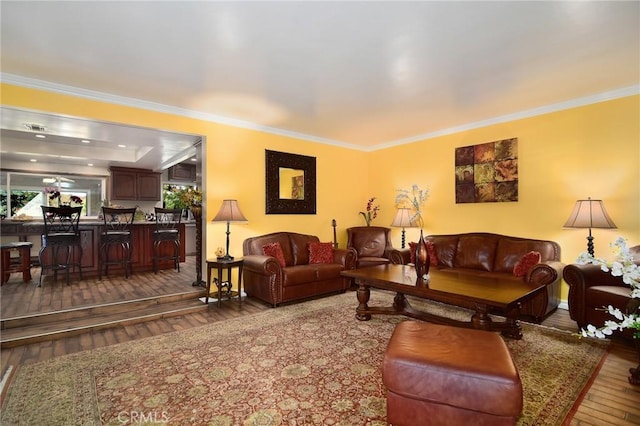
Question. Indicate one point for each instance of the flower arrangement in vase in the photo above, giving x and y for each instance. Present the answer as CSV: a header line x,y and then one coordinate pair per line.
x,y
55,198
414,200
371,212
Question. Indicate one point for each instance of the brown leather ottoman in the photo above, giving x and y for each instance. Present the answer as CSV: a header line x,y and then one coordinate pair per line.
x,y
443,375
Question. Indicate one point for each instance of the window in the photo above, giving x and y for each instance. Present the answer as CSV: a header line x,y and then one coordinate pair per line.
x,y
29,191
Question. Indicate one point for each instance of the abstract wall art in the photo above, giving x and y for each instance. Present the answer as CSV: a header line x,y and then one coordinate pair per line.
x,y
487,172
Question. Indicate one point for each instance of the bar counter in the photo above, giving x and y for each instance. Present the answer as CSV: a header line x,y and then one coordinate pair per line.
x,y
142,241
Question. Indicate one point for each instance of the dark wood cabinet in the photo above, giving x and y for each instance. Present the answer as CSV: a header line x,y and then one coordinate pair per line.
x,y
135,184
123,184
148,186
183,172
89,245
142,249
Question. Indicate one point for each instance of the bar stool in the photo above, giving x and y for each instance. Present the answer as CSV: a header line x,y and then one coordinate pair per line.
x,y
20,264
167,229
116,233
62,236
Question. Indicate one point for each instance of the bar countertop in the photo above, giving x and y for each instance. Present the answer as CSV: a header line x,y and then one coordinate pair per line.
x,y
83,222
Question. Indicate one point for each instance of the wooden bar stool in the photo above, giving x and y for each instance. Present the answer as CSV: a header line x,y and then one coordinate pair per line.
x,y
61,240
21,264
167,230
116,235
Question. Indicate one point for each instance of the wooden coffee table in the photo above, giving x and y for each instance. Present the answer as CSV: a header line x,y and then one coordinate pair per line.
x,y
478,293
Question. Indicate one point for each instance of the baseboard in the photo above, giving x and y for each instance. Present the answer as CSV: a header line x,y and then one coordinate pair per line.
x,y
564,305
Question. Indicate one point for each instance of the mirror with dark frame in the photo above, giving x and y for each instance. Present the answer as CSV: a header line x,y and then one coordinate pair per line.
x,y
290,183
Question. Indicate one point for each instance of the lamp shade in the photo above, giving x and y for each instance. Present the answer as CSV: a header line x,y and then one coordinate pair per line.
x,y
229,212
589,214
403,219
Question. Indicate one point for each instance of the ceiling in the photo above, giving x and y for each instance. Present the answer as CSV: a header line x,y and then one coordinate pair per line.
x,y
364,75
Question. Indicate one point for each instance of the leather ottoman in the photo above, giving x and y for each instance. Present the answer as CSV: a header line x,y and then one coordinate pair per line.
x,y
443,375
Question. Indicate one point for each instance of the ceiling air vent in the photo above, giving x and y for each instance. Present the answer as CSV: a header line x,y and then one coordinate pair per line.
x,y
35,127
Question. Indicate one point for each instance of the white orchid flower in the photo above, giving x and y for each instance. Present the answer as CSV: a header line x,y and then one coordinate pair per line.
x,y
624,267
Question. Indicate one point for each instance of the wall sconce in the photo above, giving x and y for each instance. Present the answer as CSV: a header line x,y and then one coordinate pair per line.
x,y
229,212
403,220
589,214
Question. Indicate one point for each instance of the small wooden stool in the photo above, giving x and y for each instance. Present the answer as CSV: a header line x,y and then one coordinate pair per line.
x,y
21,264
443,375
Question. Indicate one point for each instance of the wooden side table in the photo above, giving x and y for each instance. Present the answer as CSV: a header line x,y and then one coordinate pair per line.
x,y
222,265
21,264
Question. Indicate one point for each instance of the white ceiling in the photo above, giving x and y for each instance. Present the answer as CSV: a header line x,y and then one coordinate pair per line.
x,y
358,74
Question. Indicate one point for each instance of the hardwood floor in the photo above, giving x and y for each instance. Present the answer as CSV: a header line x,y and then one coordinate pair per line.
x,y
611,400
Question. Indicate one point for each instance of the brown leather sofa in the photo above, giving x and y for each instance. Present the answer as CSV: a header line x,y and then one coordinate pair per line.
x,y
265,278
371,243
591,289
487,254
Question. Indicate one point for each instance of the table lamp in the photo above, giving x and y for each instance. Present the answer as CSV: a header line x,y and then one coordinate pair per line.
x,y
403,220
229,212
589,214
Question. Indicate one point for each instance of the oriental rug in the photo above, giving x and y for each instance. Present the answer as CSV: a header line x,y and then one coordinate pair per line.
x,y
309,363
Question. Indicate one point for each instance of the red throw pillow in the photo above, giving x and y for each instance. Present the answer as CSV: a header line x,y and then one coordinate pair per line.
x,y
525,263
412,250
433,257
275,250
320,253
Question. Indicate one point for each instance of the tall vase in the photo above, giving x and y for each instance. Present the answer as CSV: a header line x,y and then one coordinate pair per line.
x,y
422,259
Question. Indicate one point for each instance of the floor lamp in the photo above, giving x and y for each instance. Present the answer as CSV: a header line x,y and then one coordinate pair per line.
x,y
589,214
229,212
403,220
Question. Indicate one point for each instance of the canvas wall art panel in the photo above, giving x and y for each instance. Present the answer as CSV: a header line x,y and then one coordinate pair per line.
x,y
487,172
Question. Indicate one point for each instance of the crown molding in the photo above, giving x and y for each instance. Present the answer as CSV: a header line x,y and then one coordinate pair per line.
x,y
574,103
153,106
157,107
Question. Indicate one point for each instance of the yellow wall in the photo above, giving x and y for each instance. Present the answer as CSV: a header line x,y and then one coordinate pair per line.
x,y
235,168
563,156
591,151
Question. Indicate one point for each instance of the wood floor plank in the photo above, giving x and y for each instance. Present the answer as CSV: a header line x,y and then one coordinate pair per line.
x,y
588,416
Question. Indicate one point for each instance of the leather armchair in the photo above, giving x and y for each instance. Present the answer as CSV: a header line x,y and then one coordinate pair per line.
x,y
371,243
591,289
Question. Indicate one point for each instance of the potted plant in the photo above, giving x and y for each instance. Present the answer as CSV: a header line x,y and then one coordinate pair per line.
x,y
182,197
371,211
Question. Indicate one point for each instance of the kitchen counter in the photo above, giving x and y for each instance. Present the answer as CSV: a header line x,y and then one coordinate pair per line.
x,y
90,229
89,222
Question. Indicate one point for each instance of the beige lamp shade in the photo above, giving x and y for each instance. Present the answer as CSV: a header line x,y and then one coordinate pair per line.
x,y
403,220
589,214
229,212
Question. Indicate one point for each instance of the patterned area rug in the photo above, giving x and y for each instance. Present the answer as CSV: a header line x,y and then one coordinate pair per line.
x,y
310,363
